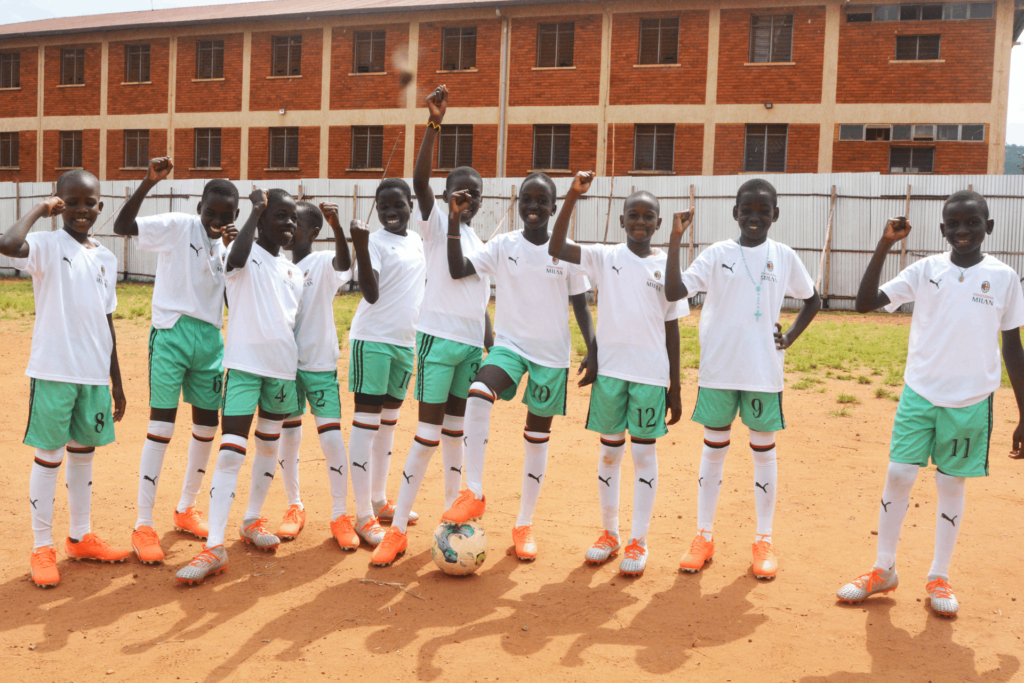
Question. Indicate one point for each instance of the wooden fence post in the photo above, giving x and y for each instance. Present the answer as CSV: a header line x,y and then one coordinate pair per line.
x,y
903,244
825,269
693,224
355,201
126,238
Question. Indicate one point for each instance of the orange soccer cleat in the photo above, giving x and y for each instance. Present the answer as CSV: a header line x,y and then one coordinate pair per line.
x,y
44,567
92,547
765,565
344,533
526,547
700,553
291,525
391,548
146,545
466,507
191,521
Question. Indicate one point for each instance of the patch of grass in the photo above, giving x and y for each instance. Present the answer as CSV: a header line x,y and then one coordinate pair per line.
x,y
842,412
16,298
882,392
807,382
821,391
847,398
895,397
863,379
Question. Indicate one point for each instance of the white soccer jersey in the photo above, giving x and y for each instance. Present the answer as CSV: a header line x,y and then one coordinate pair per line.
x,y
631,312
737,347
401,270
953,359
74,293
452,309
263,300
189,269
315,332
531,313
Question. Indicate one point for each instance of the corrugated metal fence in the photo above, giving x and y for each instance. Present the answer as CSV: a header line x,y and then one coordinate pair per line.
x,y
861,203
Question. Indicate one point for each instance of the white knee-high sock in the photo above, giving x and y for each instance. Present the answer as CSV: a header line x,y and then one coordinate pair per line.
x,y
766,477
223,485
709,479
453,450
78,477
158,436
333,445
288,459
380,454
645,463
264,466
427,438
365,428
895,501
535,466
613,446
948,517
42,492
478,426
199,449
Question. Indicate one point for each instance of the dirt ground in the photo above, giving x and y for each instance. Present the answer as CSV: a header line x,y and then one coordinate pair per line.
x,y
312,612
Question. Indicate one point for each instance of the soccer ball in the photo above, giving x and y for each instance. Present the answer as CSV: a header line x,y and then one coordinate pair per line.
x,y
459,549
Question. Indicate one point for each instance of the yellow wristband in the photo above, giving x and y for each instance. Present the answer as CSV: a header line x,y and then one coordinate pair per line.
x,y
435,126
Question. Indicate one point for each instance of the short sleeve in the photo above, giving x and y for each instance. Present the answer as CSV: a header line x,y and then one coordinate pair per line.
x,y
1013,313
436,226
39,250
799,285
697,278
578,282
673,313
162,232
486,260
902,289
592,259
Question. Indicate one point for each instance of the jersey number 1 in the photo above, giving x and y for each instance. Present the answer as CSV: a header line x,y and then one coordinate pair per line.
x,y
967,447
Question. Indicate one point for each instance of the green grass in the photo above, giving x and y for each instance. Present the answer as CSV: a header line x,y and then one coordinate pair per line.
x,y
863,379
882,392
842,412
847,398
807,382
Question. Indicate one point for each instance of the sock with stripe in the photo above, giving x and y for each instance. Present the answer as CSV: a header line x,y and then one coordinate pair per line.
x,y
899,481
264,466
223,485
709,480
535,465
948,517
199,449
424,444
158,436
78,477
645,467
42,492
333,445
478,426
766,477
288,458
613,446
380,455
365,427
453,455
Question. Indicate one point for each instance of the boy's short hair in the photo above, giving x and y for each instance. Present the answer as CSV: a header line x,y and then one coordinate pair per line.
x,y
277,194
75,176
462,172
967,196
758,185
221,188
644,195
313,212
394,184
546,179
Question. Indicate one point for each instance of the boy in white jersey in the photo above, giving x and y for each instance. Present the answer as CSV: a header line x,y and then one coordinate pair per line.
x,y
741,357
451,332
185,344
260,357
963,300
391,272
531,337
637,383
73,362
316,379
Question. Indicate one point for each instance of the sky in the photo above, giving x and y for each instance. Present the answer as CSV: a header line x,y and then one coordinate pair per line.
x,y
30,10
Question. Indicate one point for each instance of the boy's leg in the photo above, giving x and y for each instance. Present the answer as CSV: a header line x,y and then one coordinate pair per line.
x,y
325,404
288,458
645,417
78,477
275,395
709,479
187,517
158,436
50,406
399,373
609,402
467,362
42,490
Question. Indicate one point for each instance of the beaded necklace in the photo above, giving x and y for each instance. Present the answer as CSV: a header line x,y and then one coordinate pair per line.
x,y
757,286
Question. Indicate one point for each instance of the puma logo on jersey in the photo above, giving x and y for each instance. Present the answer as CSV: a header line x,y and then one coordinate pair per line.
x,y
361,466
456,469
936,282
195,248
951,520
649,482
338,470
763,487
514,260
257,263
606,482
151,481
617,269
408,477
729,268
885,506
65,258
534,476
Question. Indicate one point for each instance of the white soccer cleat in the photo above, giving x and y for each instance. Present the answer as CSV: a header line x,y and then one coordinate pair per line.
x,y
635,558
257,534
371,532
603,548
385,512
207,563
864,586
941,593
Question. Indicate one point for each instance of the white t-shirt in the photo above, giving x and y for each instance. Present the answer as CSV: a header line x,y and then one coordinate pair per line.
x,y
953,359
737,348
263,300
452,309
189,269
74,293
401,270
631,312
315,332
531,313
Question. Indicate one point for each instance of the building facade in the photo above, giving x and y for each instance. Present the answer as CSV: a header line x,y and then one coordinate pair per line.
x,y
315,88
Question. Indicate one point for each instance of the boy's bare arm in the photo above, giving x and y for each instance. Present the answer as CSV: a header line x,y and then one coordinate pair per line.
x,y
239,254
458,265
588,366
368,278
125,224
488,331
674,287
342,257
437,103
803,319
557,246
1013,356
673,397
116,389
869,296
12,242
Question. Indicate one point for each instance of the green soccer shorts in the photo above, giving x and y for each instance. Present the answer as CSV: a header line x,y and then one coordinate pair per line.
x,y
186,361
243,391
955,439
617,406
545,389
444,367
379,369
321,390
59,412
759,410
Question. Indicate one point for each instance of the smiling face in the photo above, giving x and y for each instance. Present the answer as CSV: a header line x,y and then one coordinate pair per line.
x,y
471,185
217,211
306,230
82,205
641,217
394,208
536,204
965,224
279,221
755,212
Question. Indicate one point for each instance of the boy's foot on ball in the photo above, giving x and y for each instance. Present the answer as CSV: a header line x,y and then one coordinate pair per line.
x,y
291,525
634,559
344,534
941,593
146,545
371,532
191,521
700,553
765,565
384,511
255,532
210,562
466,508
44,567
526,547
92,547
874,582
603,548
392,547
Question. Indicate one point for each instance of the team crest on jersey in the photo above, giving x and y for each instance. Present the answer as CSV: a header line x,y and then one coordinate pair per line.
x,y
657,275
103,272
770,266
554,261
985,286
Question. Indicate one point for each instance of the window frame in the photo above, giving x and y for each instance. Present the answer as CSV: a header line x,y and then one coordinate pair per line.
x,y
294,43
462,56
772,37
215,49
749,134
558,29
913,150
657,131
75,138
138,137
10,70
141,54
660,29
460,133
551,131
9,149
370,37
206,136
917,38
369,136
283,133
77,76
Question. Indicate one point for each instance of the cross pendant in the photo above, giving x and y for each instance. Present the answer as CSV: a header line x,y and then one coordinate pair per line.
x,y
757,316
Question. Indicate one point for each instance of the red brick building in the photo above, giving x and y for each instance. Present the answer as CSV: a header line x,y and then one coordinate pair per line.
x,y
314,88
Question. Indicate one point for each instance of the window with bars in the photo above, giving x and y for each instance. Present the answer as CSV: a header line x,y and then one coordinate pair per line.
x,y
765,148
911,159
207,154
910,48
659,41
71,149
458,48
949,11
209,59
369,51
771,38
72,66
654,147
284,148
367,146
8,150
136,63
136,148
287,56
551,147
455,147
10,69
556,44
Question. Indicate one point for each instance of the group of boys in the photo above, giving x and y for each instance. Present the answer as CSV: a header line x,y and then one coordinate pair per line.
x,y
428,295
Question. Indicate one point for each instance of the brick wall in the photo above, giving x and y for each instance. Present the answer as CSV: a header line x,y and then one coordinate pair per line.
x,y
339,160
26,172
582,150
687,160
230,154
71,100
466,88
801,148
51,153
367,91
485,152
685,84
579,85
866,75
862,156
138,98
303,92
115,153
209,95
23,102
259,155
799,83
